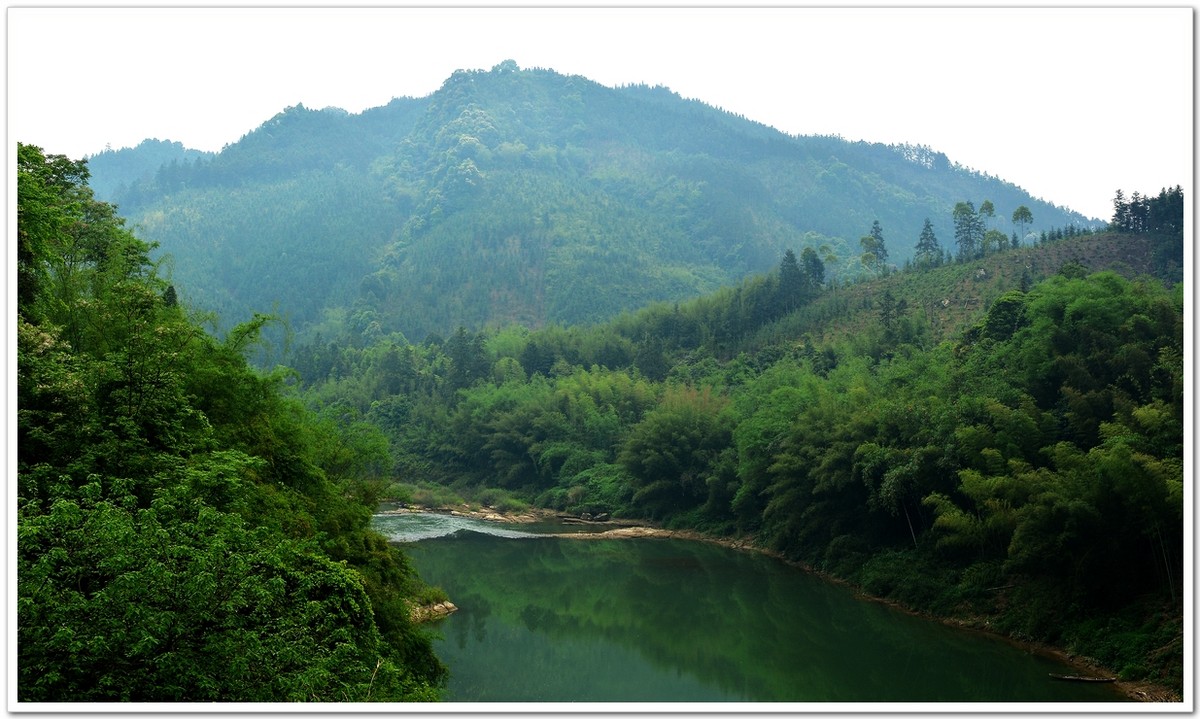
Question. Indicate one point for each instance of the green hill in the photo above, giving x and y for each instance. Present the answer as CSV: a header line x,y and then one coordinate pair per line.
x,y
525,196
949,299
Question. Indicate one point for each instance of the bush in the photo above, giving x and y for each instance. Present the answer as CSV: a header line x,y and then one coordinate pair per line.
x,y
429,495
501,500
912,579
603,488
1142,642
845,556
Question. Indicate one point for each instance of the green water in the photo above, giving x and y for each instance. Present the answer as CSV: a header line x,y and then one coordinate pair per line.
x,y
544,619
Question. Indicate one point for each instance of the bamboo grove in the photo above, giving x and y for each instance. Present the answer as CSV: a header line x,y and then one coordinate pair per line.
x,y
1022,468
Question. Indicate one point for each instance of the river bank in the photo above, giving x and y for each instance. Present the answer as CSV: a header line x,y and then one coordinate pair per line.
x,y
632,529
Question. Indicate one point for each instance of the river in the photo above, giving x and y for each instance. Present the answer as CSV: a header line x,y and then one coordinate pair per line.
x,y
547,619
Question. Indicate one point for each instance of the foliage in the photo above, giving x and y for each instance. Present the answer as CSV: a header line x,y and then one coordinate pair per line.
x,y
672,454
185,531
1024,455
1145,214
521,196
996,433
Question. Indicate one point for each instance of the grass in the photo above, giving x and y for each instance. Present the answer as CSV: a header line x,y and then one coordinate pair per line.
x,y
950,298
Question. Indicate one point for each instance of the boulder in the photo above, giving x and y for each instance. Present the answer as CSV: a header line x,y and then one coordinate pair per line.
x,y
432,612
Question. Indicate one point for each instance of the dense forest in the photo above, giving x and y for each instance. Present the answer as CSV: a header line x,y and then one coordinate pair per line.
x,y
186,529
872,362
996,436
529,197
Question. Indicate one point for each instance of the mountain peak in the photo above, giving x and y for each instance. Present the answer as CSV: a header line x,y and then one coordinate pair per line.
x,y
531,196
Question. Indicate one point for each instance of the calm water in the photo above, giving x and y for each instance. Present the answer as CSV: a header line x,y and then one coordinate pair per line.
x,y
546,619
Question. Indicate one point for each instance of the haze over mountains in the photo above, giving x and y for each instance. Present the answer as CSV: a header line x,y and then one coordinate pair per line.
x,y
522,196
993,434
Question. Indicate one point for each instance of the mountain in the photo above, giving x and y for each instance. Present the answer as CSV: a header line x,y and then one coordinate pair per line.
x,y
525,196
117,173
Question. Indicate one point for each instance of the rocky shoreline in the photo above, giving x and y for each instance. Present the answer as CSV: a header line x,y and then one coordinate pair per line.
x,y
628,529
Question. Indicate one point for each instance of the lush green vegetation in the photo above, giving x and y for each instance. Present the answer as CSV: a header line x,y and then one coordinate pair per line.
x,y
976,417
1015,459
528,197
186,529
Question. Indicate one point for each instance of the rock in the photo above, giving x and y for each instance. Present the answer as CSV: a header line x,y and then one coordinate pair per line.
x,y
431,612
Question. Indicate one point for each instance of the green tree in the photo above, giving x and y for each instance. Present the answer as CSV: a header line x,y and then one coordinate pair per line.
x,y
468,358
813,270
1006,316
987,210
181,602
671,454
1021,217
48,196
929,250
968,230
184,532
890,312
993,241
874,249
793,287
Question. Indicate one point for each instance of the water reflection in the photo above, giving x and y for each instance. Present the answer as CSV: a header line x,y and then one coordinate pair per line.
x,y
670,620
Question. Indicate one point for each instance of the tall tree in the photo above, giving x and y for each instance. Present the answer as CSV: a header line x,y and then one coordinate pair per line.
x,y
968,230
813,269
792,287
468,358
877,237
987,211
929,250
874,249
890,310
47,186
1120,219
1022,217
1143,213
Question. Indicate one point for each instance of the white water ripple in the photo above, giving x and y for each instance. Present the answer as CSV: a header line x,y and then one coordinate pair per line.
x,y
418,526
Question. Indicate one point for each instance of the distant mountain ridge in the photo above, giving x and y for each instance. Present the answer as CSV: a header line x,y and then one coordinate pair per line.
x,y
522,196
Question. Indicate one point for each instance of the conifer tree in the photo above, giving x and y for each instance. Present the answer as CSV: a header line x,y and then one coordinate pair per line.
x,y
814,270
791,289
929,250
968,230
874,249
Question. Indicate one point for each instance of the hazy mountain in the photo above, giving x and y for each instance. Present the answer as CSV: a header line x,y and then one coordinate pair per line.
x,y
115,173
527,196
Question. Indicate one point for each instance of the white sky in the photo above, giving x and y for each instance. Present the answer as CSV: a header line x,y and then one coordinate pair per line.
x,y
1069,103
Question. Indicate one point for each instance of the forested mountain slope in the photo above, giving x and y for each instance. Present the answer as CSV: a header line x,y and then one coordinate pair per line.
x,y
120,173
526,196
